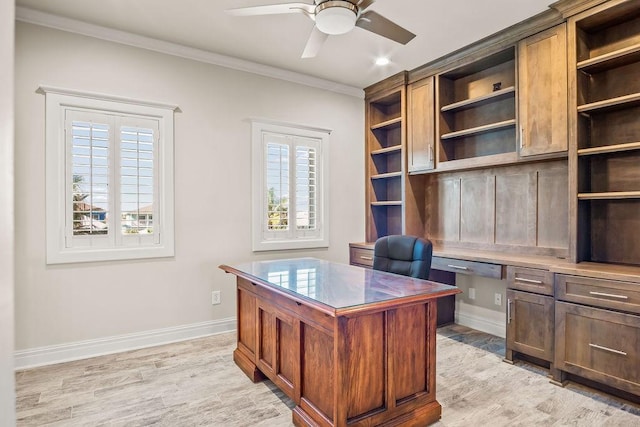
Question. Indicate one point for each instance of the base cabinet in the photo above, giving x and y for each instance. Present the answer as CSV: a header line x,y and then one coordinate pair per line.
x,y
530,321
600,345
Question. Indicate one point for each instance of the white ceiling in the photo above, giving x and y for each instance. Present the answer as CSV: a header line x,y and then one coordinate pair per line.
x,y
441,26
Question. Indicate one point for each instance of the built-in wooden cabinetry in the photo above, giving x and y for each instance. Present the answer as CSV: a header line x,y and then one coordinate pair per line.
x,y
385,139
521,153
605,101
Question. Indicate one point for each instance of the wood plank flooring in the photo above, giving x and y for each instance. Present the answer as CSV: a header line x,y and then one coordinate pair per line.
x,y
196,383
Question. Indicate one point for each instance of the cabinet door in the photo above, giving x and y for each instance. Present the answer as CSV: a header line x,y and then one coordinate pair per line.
x,y
542,95
421,122
530,321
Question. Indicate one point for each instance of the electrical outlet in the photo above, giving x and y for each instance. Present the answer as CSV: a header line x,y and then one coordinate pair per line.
x,y
472,293
498,299
215,297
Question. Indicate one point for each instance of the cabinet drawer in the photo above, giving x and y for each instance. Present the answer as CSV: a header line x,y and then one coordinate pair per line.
x,y
361,257
530,280
613,294
598,344
474,268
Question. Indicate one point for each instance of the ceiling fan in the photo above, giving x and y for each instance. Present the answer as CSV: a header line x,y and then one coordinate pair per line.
x,y
333,17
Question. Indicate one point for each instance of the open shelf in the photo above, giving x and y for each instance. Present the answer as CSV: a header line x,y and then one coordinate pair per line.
x,y
619,102
478,162
609,149
611,195
387,203
387,150
388,124
480,100
386,175
479,129
610,60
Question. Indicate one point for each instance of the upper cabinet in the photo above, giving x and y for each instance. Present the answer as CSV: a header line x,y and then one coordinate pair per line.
x,y
421,125
542,92
605,117
476,123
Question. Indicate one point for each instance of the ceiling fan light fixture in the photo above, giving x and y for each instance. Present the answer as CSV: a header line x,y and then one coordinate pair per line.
x,y
336,17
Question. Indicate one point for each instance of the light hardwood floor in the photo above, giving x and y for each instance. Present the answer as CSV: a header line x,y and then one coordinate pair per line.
x,y
196,383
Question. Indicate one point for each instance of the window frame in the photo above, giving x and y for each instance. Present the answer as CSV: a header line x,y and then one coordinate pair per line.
x,y
259,192
59,249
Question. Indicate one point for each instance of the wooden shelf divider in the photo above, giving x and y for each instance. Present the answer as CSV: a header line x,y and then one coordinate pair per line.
x,y
610,60
387,203
479,129
610,195
387,150
609,149
480,100
386,175
388,124
625,101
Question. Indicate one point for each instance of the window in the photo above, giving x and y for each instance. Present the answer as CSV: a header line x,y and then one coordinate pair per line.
x,y
109,178
290,209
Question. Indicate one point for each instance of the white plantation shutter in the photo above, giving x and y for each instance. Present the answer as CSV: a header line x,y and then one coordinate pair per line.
x,y
88,213
138,181
109,178
306,186
288,181
276,218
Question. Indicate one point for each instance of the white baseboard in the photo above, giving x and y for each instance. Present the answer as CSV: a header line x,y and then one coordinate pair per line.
x,y
49,355
481,319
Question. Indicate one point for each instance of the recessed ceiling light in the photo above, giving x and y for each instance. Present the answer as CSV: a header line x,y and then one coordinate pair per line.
x,y
382,61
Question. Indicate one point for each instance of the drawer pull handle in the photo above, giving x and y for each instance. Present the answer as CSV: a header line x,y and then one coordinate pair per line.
x,y
457,267
509,301
602,294
368,258
607,349
535,282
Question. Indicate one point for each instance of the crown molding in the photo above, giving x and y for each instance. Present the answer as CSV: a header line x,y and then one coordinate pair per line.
x,y
32,16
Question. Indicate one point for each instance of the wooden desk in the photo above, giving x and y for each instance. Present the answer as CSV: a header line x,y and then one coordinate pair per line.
x,y
346,344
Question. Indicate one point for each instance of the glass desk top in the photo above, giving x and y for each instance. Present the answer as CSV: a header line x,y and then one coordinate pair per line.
x,y
336,285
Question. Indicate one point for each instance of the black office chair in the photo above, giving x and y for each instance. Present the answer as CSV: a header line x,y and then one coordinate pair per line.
x,y
406,255
411,256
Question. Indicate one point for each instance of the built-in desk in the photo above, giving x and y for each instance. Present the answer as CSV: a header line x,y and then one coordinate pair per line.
x,y
350,346
581,320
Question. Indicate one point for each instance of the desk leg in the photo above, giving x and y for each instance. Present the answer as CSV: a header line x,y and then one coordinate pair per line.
x,y
248,367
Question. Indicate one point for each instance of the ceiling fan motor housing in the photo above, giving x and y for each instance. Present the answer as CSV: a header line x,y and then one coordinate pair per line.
x,y
336,16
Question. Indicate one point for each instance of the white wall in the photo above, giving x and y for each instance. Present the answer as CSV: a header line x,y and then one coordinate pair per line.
x,y
69,303
481,313
7,401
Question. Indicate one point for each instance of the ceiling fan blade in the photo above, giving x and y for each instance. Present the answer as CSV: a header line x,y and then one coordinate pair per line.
x,y
273,9
363,4
371,21
315,42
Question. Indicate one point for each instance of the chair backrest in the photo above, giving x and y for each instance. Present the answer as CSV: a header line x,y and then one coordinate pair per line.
x,y
406,255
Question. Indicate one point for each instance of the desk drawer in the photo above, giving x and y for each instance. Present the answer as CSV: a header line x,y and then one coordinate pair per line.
x,y
612,294
530,280
598,344
474,268
361,257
